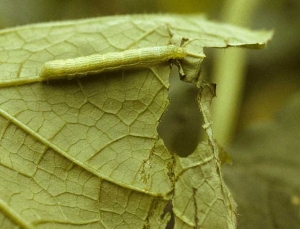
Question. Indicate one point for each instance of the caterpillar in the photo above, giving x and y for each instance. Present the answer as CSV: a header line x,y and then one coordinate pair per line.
x,y
97,63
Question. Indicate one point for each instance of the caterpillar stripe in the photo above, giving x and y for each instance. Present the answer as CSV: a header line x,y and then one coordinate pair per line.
x,y
97,63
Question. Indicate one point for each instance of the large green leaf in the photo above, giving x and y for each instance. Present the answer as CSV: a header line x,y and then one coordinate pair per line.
x,y
85,153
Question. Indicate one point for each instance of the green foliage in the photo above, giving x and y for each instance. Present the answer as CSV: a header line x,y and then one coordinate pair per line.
x,y
85,153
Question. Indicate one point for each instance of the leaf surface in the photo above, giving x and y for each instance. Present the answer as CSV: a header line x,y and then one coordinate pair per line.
x,y
85,153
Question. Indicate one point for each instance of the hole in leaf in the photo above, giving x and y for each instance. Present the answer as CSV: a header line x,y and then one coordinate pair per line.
x,y
180,125
169,209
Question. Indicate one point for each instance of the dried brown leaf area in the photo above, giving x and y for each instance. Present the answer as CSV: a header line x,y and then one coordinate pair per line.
x,y
85,153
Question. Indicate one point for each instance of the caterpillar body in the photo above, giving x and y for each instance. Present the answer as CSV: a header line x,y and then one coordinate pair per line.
x,y
97,63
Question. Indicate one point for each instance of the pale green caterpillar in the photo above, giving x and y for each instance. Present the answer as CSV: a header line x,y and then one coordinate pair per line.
x,y
97,63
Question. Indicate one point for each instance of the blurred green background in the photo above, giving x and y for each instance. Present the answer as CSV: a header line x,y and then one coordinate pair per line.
x,y
256,112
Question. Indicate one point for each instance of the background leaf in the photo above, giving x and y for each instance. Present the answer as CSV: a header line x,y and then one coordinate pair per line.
x,y
265,176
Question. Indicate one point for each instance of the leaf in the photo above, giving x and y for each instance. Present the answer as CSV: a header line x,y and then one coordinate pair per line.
x,y
265,178
85,153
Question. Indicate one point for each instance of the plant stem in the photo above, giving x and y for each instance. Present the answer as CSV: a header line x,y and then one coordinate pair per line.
x,y
229,73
